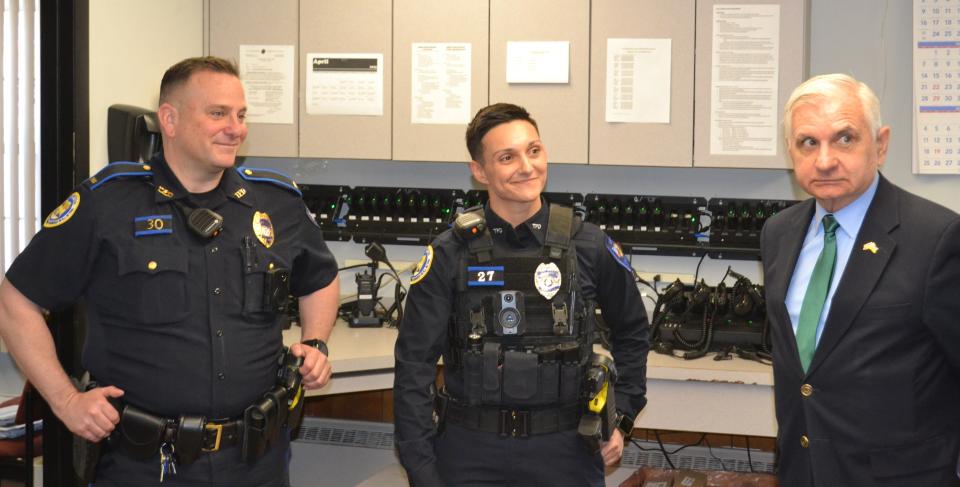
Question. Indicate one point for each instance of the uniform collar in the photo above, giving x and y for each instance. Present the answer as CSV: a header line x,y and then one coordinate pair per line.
x,y
168,187
530,233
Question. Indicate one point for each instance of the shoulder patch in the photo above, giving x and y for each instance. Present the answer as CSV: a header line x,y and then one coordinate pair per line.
x,y
423,265
618,255
118,170
269,176
62,213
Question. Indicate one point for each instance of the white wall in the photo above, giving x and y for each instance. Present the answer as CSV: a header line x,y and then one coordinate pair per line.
x,y
872,40
132,43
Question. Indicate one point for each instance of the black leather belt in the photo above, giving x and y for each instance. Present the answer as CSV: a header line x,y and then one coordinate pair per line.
x,y
217,435
511,422
141,434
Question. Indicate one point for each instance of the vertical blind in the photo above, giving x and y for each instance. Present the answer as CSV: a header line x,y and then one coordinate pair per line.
x,y
20,125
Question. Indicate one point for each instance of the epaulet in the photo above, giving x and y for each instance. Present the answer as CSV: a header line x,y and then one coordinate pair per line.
x,y
269,176
120,169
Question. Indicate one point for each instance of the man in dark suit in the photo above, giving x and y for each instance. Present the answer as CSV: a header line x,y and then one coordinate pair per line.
x,y
863,292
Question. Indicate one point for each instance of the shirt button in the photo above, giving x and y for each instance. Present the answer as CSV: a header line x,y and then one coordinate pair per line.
x,y
806,390
221,376
220,332
217,291
804,441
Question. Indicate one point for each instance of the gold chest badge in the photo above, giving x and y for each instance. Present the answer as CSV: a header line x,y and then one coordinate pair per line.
x,y
263,228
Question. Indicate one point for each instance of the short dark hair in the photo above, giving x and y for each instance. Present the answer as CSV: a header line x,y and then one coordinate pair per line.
x,y
179,73
489,117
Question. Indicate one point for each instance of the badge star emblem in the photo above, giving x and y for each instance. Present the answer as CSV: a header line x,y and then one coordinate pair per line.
x,y
871,247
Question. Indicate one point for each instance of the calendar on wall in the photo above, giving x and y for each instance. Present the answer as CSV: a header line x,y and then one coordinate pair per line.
x,y
936,86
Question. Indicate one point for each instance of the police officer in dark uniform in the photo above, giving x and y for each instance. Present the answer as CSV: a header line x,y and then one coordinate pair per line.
x,y
185,264
506,298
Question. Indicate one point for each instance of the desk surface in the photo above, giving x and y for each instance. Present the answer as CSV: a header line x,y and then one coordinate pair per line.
x,y
706,369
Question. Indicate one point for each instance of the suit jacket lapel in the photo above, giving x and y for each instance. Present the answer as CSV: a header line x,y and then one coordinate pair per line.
x,y
788,251
863,269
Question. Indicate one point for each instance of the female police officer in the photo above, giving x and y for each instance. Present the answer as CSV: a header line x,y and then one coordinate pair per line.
x,y
505,297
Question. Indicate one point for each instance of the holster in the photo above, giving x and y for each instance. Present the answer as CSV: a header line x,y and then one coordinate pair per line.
x,y
259,428
86,454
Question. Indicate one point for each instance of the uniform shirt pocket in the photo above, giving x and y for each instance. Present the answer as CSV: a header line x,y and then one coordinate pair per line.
x,y
153,283
265,277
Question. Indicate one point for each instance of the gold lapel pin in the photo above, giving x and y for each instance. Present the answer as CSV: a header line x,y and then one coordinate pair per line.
x,y
871,246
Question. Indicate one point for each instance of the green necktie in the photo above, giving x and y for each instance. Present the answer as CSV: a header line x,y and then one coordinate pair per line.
x,y
817,291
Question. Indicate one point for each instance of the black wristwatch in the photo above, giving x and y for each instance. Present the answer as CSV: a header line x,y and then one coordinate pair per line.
x,y
318,344
624,423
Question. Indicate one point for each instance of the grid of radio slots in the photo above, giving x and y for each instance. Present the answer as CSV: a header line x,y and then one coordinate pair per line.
x,y
642,224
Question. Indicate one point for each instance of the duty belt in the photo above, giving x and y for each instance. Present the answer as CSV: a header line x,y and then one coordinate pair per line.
x,y
142,434
508,422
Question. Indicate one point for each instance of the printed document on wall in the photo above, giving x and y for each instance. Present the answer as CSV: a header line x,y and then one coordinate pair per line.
x,y
638,80
744,88
267,76
936,87
344,83
440,89
538,62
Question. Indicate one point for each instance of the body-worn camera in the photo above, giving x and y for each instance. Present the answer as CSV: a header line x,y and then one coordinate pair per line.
x,y
509,313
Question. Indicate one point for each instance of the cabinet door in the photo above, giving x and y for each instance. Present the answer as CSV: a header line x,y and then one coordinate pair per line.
x,y
643,144
560,109
437,21
749,142
247,22
347,27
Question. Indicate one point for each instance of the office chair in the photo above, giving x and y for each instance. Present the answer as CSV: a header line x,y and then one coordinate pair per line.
x,y
17,454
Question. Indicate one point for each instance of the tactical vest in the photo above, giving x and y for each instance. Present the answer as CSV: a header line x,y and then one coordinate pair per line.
x,y
519,333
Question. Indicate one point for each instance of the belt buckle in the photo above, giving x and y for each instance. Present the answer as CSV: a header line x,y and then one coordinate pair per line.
x,y
514,423
216,443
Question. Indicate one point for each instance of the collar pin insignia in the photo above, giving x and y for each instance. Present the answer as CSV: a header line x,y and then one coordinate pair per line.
x,y
871,247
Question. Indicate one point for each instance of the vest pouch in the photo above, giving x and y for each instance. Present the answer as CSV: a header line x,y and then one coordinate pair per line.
x,y
550,381
570,376
491,373
472,377
521,378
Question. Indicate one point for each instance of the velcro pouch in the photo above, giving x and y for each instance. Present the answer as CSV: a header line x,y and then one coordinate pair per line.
x,y
550,381
520,378
491,373
472,377
189,441
570,376
140,432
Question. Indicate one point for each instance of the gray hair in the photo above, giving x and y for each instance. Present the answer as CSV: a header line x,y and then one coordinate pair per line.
x,y
833,86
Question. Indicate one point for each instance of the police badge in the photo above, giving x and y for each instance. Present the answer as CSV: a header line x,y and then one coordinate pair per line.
x,y
263,228
547,279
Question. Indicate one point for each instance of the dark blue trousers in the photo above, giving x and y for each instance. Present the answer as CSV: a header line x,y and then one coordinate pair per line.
x,y
469,458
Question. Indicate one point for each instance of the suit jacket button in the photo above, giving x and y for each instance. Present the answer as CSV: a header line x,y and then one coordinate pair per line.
x,y
806,390
804,441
